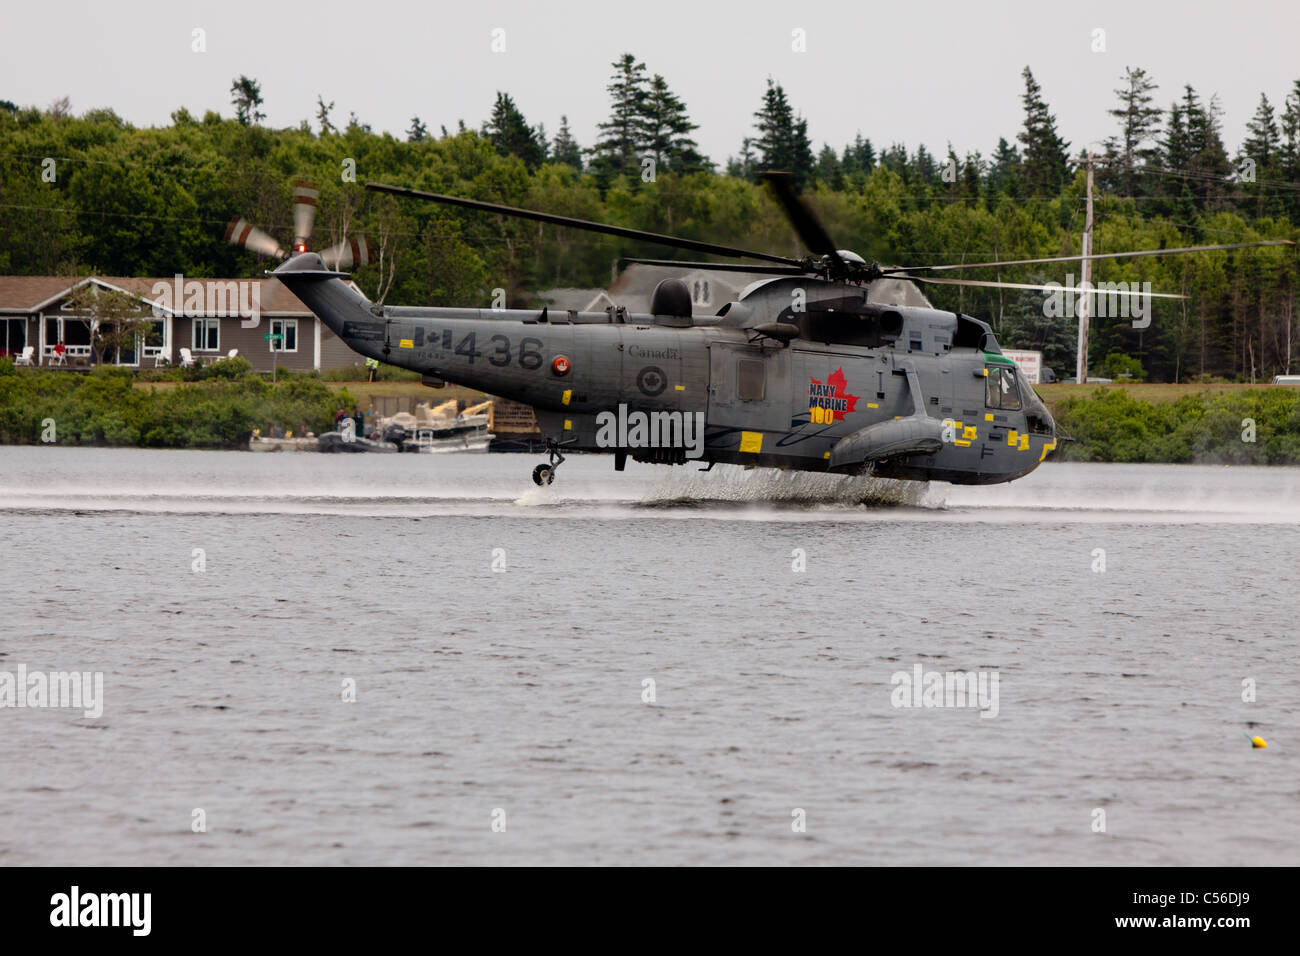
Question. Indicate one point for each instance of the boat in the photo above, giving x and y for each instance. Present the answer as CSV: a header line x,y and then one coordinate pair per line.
x,y
262,443
440,429
349,443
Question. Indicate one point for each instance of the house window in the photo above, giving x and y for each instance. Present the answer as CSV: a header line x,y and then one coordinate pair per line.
x,y
155,338
207,335
289,329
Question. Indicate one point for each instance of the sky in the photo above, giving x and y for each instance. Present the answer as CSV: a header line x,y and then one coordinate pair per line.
x,y
930,72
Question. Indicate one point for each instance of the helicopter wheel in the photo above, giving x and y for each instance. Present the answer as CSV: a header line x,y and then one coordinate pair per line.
x,y
543,475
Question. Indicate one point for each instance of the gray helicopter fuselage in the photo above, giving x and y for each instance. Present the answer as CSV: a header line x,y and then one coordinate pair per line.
x,y
831,382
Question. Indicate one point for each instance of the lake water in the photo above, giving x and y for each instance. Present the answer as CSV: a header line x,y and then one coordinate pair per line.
x,y
230,601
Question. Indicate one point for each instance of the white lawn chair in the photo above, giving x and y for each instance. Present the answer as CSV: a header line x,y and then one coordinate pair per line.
x,y
57,359
160,359
26,358
187,359
232,353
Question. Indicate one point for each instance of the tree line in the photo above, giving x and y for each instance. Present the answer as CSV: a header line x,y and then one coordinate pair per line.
x,y
93,193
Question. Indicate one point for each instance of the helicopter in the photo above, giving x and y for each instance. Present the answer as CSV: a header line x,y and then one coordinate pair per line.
x,y
825,363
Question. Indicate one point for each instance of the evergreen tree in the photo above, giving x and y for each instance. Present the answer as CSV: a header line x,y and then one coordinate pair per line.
x,y
1207,163
1261,143
1290,147
742,166
418,132
1139,123
830,170
1290,143
615,152
782,139
1004,170
246,95
927,170
565,149
664,131
323,115
510,133
1046,165
859,156
1262,147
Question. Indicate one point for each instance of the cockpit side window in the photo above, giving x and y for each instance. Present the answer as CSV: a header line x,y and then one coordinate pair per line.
x,y
1001,390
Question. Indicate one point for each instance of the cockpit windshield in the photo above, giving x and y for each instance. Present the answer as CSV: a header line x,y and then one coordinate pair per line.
x,y
1002,387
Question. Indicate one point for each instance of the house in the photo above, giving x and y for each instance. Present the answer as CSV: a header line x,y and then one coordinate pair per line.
x,y
209,317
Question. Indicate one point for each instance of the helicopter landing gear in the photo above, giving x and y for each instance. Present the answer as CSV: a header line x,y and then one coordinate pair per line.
x,y
543,475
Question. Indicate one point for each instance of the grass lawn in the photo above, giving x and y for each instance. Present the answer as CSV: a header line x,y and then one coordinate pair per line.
x,y
365,392
1155,394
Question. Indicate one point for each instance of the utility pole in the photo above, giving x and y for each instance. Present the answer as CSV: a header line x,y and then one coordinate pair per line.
x,y
1085,275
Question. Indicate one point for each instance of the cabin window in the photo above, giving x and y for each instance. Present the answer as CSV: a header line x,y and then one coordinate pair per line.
x,y
207,335
750,381
842,328
1001,390
287,328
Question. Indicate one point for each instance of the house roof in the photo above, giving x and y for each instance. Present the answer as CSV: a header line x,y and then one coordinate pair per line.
x,y
32,294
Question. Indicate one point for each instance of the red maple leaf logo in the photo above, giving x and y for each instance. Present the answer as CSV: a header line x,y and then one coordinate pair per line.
x,y
839,401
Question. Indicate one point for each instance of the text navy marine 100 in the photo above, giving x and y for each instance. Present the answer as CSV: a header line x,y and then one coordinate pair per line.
x,y
826,363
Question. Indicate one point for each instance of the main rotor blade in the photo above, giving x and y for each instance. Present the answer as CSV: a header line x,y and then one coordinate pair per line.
x,y
1100,255
723,266
1043,288
801,217
675,241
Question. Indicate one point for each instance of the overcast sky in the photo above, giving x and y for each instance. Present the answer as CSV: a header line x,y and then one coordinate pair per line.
x,y
928,71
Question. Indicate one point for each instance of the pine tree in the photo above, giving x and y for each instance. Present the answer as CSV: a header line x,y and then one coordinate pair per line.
x,y
742,166
615,152
323,115
1004,170
418,132
859,156
1046,165
247,100
1290,143
927,170
1206,161
1290,147
1139,125
664,130
1262,147
830,170
1261,143
565,149
511,134
782,140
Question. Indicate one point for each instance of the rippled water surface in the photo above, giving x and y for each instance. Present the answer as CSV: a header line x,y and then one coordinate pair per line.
x,y
521,690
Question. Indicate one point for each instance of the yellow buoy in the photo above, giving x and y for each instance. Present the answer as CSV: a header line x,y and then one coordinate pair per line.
x,y
1258,742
